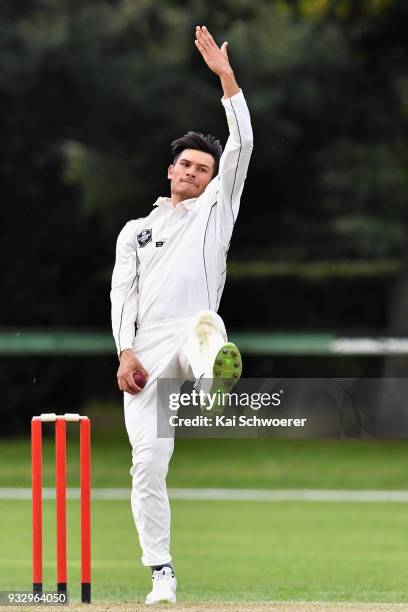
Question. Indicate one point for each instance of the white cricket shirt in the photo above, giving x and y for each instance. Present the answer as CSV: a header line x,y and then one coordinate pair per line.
x,y
172,263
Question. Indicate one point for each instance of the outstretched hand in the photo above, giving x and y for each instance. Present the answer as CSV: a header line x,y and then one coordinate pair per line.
x,y
214,56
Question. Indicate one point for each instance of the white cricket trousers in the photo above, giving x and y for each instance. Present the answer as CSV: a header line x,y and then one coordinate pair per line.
x,y
170,349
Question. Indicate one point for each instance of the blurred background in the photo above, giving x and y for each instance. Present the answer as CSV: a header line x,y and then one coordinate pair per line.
x,y
92,93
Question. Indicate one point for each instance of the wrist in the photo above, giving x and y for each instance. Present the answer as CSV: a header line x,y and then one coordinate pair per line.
x,y
229,85
226,73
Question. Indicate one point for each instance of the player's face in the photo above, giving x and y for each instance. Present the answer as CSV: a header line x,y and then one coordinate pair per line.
x,y
190,174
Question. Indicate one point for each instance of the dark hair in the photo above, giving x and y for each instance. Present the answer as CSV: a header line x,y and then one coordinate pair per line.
x,y
199,142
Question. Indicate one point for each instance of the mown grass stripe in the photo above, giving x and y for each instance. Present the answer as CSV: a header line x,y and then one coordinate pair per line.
x,y
284,495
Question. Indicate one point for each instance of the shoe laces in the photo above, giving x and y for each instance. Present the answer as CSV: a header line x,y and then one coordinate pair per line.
x,y
163,575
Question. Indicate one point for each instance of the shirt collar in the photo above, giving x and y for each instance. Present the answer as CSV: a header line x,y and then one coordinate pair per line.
x,y
167,203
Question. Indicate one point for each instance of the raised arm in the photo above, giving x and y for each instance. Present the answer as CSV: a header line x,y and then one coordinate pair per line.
x,y
237,153
217,60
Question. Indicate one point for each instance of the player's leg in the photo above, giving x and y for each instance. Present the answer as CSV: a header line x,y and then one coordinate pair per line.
x,y
150,504
150,460
214,362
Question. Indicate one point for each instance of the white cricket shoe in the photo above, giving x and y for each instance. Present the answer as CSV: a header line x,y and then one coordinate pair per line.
x,y
164,587
216,363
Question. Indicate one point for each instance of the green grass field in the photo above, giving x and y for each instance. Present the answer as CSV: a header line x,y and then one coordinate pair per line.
x,y
229,550
282,464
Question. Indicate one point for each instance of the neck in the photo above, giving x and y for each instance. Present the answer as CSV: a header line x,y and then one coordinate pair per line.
x,y
176,199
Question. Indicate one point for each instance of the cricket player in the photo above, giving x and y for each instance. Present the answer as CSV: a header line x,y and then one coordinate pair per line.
x,y
167,282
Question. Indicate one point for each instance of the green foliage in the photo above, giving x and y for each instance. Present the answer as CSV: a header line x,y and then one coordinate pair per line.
x,y
95,92
91,95
315,271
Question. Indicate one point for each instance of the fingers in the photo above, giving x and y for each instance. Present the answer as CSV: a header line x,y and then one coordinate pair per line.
x,y
125,377
224,50
124,385
129,364
130,384
204,38
200,43
143,371
204,52
126,382
207,36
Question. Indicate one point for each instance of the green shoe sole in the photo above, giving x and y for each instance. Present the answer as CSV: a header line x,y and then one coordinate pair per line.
x,y
227,371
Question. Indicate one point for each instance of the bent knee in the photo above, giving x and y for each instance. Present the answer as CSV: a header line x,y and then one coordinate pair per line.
x,y
152,460
208,318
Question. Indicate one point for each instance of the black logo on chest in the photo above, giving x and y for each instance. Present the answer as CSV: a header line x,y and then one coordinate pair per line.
x,y
144,237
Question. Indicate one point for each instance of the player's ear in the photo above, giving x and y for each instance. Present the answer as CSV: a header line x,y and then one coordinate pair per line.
x,y
170,171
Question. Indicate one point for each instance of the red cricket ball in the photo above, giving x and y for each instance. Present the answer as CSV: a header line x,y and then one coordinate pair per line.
x,y
139,379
